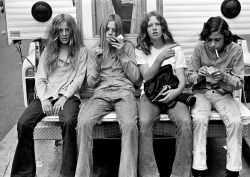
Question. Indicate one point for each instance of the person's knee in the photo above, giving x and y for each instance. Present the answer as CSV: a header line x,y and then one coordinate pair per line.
x,y
83,123
202,118
129,125
185,124
234,120
23,124
70,121
145,121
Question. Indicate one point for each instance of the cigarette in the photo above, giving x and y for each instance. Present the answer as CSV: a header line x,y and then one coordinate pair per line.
x,y
120,37
217,53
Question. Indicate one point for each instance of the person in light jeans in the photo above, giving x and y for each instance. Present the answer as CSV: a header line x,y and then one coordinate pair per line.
x,y
156,47
112,72
216,69
60,74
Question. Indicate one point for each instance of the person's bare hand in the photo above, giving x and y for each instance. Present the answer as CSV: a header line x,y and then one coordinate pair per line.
x,y
98,55
167,53
59,105
217,75
47,107
170,95
203,71
117,43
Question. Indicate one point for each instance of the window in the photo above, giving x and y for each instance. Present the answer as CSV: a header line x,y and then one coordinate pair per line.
x,y
131,12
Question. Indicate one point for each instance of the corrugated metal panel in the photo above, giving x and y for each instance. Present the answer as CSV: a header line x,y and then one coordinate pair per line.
x,y
186,18
20,21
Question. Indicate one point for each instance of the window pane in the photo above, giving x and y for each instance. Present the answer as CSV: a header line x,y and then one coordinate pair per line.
x,y
129,10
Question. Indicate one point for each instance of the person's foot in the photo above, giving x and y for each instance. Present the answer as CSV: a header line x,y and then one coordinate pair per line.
x,y
198,173
232,173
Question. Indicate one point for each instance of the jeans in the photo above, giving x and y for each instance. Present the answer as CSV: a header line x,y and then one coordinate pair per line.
x,y
230,114
103,102
24,163
180,115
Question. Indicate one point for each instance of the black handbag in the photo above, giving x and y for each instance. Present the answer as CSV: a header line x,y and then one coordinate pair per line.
x,y
165,78
161,82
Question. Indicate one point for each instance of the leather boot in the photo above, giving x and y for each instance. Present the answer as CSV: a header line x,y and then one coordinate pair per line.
x,y
198,173
232,173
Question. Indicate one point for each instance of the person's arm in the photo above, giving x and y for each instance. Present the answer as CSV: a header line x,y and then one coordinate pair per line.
x,y
233,79
128,61
41,86
195,64
180,64
149,72
41,79
93,69
76,83
180,73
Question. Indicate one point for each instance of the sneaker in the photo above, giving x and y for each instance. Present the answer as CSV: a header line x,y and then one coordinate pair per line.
x,y
232,173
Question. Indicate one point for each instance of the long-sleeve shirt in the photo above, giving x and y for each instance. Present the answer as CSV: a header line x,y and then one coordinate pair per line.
x,y
65,80
230,62
116,71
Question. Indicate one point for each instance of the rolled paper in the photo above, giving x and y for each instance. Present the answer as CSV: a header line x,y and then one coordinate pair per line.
x,y
217,53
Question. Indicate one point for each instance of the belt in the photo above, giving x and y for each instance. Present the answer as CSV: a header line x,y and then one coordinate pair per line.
x,y
212,86
215,91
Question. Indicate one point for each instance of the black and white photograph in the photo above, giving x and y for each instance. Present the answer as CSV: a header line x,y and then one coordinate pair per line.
x,y
125,88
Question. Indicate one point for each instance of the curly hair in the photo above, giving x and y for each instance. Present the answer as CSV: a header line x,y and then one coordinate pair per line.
x,y
53,42
216,24
143,40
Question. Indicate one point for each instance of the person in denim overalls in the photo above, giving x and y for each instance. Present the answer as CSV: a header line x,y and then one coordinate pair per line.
x,y
156,47
112,72
60,74
216,70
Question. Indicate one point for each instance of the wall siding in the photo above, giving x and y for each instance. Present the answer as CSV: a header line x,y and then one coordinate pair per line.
x,y
20,19
186,18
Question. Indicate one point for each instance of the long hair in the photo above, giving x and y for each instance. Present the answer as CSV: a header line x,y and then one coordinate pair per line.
x,y
143,40
53,42
118,25
216,24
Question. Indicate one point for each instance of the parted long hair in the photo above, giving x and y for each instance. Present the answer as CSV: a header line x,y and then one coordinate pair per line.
x,y
53,43
143,40
216,24
118,25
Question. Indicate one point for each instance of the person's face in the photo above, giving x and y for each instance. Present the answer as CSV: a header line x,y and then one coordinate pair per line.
x,y
216,41
154,28
64,33
110,31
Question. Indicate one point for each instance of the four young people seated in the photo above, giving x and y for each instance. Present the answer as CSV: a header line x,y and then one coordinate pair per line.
x,y
114,66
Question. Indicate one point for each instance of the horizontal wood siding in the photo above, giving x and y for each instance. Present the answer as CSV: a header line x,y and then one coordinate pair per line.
x,y
186,18
20,19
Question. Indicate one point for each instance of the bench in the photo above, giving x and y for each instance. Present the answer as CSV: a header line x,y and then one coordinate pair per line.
x,y
49,129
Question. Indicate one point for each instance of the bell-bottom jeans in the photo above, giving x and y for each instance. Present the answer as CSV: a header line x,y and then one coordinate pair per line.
x,y
230,115
103,102
180,116
24,163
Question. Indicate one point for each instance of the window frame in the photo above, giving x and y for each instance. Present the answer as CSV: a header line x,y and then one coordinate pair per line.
x,y
93,10
159,6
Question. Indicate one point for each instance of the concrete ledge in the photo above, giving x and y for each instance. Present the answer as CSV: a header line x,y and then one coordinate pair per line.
x,y
7,150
